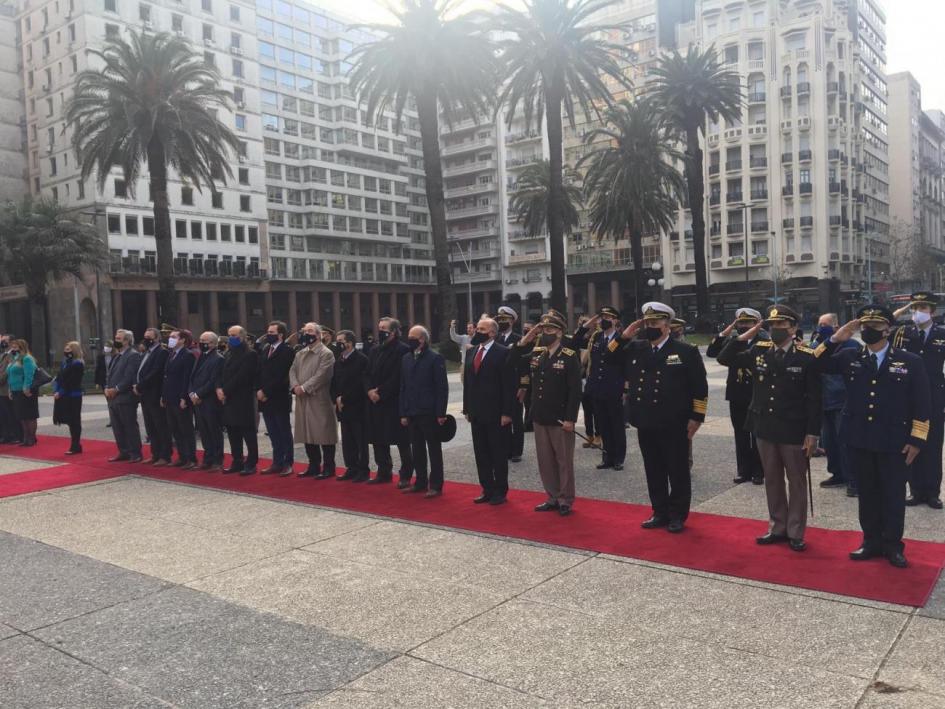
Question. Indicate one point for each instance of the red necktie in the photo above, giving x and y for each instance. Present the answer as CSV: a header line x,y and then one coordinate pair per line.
x,y
478,361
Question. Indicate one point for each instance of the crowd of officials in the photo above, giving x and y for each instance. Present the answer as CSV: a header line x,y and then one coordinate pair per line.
x,y
876,409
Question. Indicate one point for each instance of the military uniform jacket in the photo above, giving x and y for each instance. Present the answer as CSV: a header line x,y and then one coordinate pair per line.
x,y
738,382
555,381
931,350
885,409
664,389
520,359
604,379
786,395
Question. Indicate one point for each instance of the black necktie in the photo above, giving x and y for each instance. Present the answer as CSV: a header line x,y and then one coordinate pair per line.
x,y
779,354
874,362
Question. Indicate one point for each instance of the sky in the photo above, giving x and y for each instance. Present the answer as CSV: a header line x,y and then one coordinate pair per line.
x,y
913,29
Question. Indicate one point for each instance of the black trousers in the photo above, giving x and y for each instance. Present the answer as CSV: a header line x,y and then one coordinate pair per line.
x,y
385,464
666,462
528,411
608,415
10,429
124,420
157,428
210,425
747,459
490,446
424,438
354,447
881,480
180,423
587,404
317,455
239,435
925,473
75,434
517,441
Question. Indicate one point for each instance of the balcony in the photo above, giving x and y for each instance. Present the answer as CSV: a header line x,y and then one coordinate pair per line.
x,y
806,188
477,188
714,169
805,155
733,165
522,161
833,154
715,231
735,228
787,223
472,233
759,226
758,162
786,158
759,194
468,167
786,125
478,210
787,191
467,146
736,261
756,97
470,254
803,87
733,196
473,277
714,199
598,262
512,138
515,259
833,187
833,87
522,235
803,123
835,220
807,222
785,92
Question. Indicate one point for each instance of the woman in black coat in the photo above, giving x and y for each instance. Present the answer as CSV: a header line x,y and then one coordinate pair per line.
x,y
237,392
67,391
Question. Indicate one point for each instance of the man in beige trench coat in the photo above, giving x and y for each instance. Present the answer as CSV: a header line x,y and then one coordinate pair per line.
x,y
315,423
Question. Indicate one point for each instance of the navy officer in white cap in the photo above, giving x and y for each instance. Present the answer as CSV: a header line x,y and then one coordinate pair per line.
x,y
506,318
667,393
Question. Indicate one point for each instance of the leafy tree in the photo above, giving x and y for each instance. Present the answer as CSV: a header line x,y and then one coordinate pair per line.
x,y
554,60
438,61
692,88
154,100
631,184
41,243
529,201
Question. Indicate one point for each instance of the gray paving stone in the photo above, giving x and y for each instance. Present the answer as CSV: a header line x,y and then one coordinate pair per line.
x,y
935,608
574,658
919,657
10,465
409,683
41,585
7,632
36,676
905,699
194,650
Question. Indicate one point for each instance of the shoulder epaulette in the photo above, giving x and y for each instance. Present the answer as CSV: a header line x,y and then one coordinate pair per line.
x,y
764,343
804,348
539,349
567,351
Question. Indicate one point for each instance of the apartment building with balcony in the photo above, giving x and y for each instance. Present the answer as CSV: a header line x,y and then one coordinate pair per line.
x,y
798,186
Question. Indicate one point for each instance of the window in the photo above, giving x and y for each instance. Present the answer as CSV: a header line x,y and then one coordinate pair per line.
x,y
111,31
240,234
121,189
243,176
238,68
211,231
52,166
253,235
196,230
80,190
131,225
240,121
239,96
114,224
234,13
177,23
110,6
206,5
147,226
144,13
209,59
216,199
180,229
187,196
236,40
244,203
225,232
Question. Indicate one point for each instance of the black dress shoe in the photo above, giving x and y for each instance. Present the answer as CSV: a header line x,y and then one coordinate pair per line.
x,y
403,484
770,538
348,475
415,488
654,522
797,544
863,554
515,459
380,480
248,471
934,502
286,472
361,478
739,479
482,499
547,506
604,466
618,466
233,469
272,470
897,559
564,510
758,481
324,475
852,492
832,481
675,526
913,501
309,472
500,500
132,459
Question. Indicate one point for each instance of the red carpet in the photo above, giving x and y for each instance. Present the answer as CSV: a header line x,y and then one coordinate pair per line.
x,y
713,543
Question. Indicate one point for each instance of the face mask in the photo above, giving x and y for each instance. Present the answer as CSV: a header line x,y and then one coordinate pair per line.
x,y
15,354
272,339
413,343
652,333
478,338
383,336
68,355
548,339
871,335
106,349
505,326
234,341
147,342
342,346
780,335
920,317
305,339
172,342
606,324
118,344
4,345
741,330
204,346
824,332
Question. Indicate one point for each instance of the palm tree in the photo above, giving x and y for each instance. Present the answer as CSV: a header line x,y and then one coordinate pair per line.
x,y
154,100
41,243
438,61
529,202
691,89
631,182
554,60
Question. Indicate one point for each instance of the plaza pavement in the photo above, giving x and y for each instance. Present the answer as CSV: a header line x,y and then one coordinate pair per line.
x,y
139,593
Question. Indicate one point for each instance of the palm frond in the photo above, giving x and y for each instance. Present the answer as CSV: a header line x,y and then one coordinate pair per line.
x,y
529,201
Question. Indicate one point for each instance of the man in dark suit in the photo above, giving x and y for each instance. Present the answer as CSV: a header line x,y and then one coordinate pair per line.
x,y
275,403
507,337
176,400
424,393
237,393
489,386
382,385
347,391
148,383
122,400
204,380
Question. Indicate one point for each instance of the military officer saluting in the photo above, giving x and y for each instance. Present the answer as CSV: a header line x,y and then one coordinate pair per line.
x,y
738,385
886,421
605,384
555,378
667,399
784,415
927,340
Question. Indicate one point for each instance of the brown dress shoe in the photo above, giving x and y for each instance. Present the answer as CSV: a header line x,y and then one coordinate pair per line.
x,y
160,463
118,458
272,470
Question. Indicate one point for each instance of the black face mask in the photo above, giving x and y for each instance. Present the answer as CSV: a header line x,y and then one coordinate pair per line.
x,y
780,335
413,343
871,335
652,333
272,339
221,347
478,338
606,324
68,355
118,344
204,346
742,330
383,336
147,342
305,339
548,339
505,326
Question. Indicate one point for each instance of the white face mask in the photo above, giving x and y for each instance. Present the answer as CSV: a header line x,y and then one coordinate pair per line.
x,y
172,342
920,317
107,350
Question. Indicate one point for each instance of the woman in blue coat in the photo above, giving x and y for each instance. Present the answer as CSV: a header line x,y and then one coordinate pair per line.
x,y
67,390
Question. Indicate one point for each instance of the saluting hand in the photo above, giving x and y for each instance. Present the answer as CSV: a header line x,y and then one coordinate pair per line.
x,y
911,452
631,330
746,336
530,336
846,332
728,331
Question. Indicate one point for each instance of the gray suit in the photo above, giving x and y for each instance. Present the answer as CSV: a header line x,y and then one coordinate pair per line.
x,y
123,409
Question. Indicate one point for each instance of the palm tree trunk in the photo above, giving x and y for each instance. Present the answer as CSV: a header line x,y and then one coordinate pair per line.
x,y
559,292
433,169
696,185
167,289
636,254
38,342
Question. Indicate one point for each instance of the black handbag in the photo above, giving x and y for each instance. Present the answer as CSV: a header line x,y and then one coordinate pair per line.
x,y
40,378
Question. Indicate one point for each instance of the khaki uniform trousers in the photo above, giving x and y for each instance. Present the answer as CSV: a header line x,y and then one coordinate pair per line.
x,y
555,449
787,505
